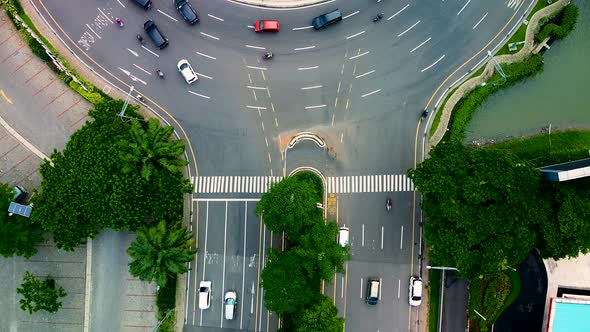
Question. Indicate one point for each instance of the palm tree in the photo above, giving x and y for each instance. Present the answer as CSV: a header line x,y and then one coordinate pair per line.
x,y
160,252
150,149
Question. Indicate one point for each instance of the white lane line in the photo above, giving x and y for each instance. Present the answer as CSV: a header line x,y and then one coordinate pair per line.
x,y
359,55
224,250
147,49
243,264
349,15
401,10
256,87
342,287
133,52
122,5
380,285
170,17
208,35
205,76
382,230
198,94
408,29
143,70
205,251
370,93
253,67
256,47
355,35
399,287
250,26
361,288
311,87
256,107
207,56
303,48
302,28
215,17
434,63
93,31
308,68
478,22
365,74
363,236
421,44
312,107
105,15
465,5
401,238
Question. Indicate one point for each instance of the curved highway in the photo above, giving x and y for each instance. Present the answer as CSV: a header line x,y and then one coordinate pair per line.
x,y
359,85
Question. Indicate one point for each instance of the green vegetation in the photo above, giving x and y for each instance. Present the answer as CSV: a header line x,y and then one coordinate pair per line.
x,y
487,296
166,302
433,299
39,294
520,34
160,252
559,25
292,278
19,234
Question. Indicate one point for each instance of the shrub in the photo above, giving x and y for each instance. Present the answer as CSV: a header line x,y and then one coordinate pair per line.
x,y
93,97
567,20
166,297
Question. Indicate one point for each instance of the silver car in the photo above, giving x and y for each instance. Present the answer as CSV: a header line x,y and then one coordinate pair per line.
x,y
230,300
187,71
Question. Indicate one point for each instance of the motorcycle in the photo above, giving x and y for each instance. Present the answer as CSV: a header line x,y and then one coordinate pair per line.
x,y
425,114
140,38
378,17
119,22
388,204
160,73
140,98
267,55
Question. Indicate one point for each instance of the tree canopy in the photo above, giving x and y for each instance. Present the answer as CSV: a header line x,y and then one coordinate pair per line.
x,y
322,316
39,294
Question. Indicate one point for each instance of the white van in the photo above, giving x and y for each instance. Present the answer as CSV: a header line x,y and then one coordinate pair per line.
x,y
343,233
230,300
204,294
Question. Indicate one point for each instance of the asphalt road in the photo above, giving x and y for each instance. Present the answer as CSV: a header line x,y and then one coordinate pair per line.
x,y
360,85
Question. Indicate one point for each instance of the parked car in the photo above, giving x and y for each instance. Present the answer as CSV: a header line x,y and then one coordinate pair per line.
x,y
415,295
266,26
326,19
343,233
230,301
187,11
373,291
155,34
145,4
186,71
204,294
19,194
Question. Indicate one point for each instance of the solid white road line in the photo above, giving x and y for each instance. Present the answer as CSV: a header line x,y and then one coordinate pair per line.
x,y
122,5
468,1
133,52
308,68
224,250
302,28
349,15
256,107
243,264
207,56
382,231
399,287
253,67
401,10
424,42
170,17
256,87
355,35
312,107
478,22
434,63
365,74
303,48
311,87
215,17
105,15
147,49
361,288
93,31
363,236
203,75
198,94
401,238
208,35
408,29
205,251
359,55
342,287
143,70
256,47
370,93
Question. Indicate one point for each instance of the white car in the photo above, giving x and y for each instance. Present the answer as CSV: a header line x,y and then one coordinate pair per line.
x,y
343,233
187,71
230,301
204,294
415,295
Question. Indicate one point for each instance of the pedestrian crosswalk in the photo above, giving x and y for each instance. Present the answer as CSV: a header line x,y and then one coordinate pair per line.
x,y
513,4
334,184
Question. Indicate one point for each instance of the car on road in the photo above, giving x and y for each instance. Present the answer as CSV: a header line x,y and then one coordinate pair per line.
x,y
230,300
155,34
19,194
204,294
415,295
343,233
326,19
186,71
145,4
187,11
266,26
373,290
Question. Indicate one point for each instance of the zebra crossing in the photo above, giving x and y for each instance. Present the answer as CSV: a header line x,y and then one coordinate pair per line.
x,y
513,4
334,184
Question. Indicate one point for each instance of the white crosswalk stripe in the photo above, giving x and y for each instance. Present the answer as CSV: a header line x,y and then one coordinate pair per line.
x,y
335,184
513,4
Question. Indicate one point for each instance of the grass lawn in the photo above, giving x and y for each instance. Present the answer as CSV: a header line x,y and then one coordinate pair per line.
x,y
521,32
433,299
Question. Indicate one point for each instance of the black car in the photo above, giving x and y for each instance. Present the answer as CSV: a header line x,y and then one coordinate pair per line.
x,y
155,34
145,4
324,20
187,11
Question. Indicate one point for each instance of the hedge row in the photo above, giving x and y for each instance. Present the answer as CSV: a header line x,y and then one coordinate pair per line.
x,y
566,17
466,106
166,301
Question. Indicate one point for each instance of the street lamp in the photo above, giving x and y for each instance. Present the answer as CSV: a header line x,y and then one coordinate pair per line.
x,y
442,268
442,289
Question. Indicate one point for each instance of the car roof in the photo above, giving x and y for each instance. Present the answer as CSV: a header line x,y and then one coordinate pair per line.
x,y
205,284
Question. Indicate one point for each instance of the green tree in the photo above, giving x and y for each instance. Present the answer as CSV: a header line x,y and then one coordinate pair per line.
x,y
39,294
320,317
482,208
287,288
319,253
148,148
290,206
160,252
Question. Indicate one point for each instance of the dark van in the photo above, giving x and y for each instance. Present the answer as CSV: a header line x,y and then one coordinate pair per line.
x,y
324,20
155,35
145,4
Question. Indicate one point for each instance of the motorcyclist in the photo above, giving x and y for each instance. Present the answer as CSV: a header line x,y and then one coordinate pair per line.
x,y
389,204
